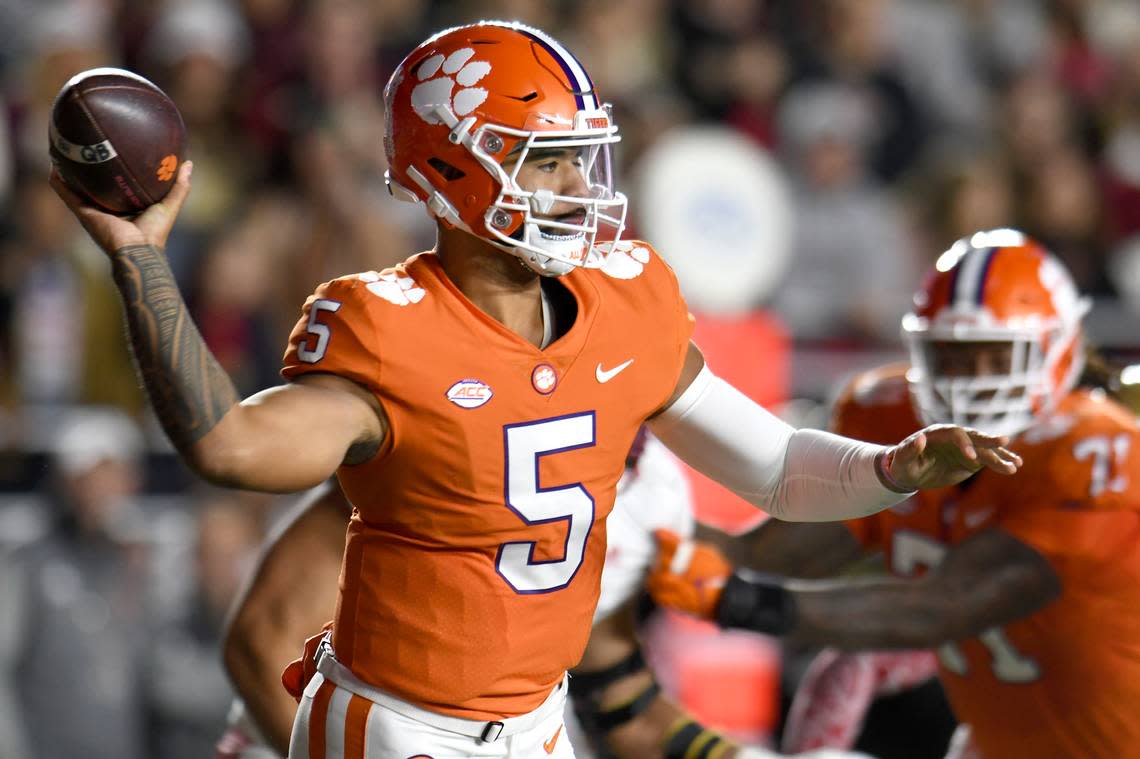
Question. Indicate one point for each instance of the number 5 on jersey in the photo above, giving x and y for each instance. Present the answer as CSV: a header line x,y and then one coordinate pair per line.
x,y
320,331
525,445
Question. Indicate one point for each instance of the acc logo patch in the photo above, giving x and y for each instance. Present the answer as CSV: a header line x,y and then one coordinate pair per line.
x,y
469,393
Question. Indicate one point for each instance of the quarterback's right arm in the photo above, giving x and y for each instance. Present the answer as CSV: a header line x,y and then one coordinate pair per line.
x,y
808,475
251,444
283,439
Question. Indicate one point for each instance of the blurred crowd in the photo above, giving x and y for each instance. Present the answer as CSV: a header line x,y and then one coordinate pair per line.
x,y
900,125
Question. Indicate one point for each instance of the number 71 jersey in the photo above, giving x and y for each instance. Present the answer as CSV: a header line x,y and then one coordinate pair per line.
x,y
475,548
1064,681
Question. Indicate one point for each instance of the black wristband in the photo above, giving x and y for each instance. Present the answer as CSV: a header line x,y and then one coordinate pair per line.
x,y
589,683
755,602
691,740
607,720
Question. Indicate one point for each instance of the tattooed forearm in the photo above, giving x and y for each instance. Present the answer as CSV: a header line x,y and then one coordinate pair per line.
x,y
190,392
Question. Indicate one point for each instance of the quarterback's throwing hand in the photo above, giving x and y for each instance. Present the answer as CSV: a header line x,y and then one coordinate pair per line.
x,y
111,233
945,454
688,575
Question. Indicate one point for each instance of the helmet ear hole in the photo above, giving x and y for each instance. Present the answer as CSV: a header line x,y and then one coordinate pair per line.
x,y
445,169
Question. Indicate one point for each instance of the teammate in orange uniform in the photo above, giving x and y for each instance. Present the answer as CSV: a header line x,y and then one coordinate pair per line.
x,y
1030,584
477,403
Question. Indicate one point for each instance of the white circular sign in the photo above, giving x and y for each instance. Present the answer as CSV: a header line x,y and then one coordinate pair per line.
x,y
718,208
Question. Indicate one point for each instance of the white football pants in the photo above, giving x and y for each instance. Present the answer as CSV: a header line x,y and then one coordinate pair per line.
x,y
341,717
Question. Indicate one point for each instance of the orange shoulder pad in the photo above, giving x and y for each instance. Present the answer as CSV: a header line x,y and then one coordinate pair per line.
x,y
335,333
875,406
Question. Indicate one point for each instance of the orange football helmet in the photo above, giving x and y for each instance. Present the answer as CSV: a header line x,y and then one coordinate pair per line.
x,y
469,97
995,288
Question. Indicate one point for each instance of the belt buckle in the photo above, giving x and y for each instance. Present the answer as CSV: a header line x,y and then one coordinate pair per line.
x,y
491,732
324,648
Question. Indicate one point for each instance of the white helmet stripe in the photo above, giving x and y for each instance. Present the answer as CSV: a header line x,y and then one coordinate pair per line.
x,y
971,277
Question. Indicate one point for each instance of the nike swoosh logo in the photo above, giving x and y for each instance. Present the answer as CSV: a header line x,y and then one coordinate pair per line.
x,y
549,745
605,375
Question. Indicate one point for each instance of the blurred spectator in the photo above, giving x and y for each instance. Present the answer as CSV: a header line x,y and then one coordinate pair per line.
x,y
627,49
964,190
1038,120
1124,271
238,297
1117,29
337,153
63,38
851,261
1075,60
622,45
66,329
1063,210
267,107
1005,35
195,48
852,46
74,606
544,14
7,154
757,71
706,34
190,692
932,41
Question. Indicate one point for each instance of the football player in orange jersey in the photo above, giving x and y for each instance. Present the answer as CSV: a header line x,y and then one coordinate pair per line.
x,y
1029,585
614,695
477,403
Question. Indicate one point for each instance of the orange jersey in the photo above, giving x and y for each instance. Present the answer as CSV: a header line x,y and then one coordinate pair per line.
x,y
1064,681
476,543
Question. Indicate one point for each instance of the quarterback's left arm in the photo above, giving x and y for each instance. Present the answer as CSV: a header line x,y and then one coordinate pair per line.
x,y
809,475
988,580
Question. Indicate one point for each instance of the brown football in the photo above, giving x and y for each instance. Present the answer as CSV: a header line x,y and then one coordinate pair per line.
x,y
117,139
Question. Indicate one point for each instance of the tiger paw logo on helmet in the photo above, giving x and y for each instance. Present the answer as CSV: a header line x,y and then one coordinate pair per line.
x,y
433,90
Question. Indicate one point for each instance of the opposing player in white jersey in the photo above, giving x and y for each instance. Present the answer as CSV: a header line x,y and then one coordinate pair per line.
x,y
615,700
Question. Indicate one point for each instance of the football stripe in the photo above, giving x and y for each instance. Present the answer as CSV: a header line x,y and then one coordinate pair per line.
x,y
318,717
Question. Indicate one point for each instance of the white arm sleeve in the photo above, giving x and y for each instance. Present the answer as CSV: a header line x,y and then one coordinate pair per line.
x,y
797,475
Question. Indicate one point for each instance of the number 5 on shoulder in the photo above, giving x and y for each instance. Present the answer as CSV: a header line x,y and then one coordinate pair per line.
x,y
321,331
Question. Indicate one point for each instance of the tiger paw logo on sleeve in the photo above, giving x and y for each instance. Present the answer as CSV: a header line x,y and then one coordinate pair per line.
x,y
624,259
394,288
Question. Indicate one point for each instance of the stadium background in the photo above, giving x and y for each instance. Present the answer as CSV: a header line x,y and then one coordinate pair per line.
x,y
841,145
